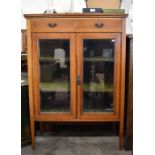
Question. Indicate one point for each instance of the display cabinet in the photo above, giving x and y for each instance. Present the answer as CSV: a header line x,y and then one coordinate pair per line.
x,y
76,68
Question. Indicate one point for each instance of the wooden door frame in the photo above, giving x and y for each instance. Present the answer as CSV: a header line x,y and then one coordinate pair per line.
x,y
102,116
54,116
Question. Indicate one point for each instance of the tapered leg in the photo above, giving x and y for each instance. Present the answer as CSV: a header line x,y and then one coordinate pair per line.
x,y
33,133
121,134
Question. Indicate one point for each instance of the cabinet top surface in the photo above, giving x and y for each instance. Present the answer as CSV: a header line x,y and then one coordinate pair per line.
x,y
76,15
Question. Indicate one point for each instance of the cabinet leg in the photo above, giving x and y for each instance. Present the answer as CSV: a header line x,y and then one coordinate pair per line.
x,y
121,135
33,133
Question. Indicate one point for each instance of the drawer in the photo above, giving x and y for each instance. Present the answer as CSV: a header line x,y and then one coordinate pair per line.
x,y
99,25
53,25
76,25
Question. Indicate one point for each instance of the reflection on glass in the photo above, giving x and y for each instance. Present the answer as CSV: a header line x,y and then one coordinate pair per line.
x,y
54,75
98,74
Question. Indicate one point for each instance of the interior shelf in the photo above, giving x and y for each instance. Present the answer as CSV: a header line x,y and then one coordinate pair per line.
x,y
110,59
54,87
50,59
97,87
63,87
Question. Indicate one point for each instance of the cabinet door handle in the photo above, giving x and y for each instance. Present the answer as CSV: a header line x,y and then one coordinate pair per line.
x,y
52,24
99,25
78,81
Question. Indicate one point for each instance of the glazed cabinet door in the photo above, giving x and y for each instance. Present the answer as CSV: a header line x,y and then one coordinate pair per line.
x,y
54,73
98,74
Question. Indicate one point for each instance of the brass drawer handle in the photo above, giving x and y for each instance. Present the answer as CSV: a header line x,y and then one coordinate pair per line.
x,y
99,25
52,24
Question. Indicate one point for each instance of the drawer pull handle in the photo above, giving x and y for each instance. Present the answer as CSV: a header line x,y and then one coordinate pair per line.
x,y
52,24
99,25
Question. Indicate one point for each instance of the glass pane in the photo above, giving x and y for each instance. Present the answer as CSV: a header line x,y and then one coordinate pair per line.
x,y
98,75
54,75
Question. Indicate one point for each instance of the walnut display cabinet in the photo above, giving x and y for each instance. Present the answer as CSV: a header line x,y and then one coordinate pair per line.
x,y
76,68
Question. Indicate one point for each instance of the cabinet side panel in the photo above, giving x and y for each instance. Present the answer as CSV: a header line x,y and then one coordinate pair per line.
x,y
30,76
122,79
117,73
30,80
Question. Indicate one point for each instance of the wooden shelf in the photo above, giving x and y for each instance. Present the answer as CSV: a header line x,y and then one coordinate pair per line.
x,y
97,87
63,87
111,59
54,87
51,59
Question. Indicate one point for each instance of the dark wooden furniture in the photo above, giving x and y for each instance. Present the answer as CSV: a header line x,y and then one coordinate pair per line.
x,y
24,40
76,68
129,94
25,120
23,50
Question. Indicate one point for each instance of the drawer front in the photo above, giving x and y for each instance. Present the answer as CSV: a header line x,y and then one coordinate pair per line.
x,y
52,25
76,25
99,25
